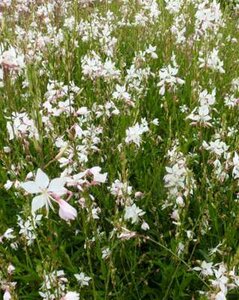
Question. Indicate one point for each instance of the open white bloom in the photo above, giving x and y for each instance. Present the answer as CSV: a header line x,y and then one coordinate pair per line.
x,y
106,252
71,296
212,61
8,234
208,18
54,282
20,125
45,188
200,115
217,147
206,269
82,279
133,134
97,176
12,60
168,77
174,6
206,98
121,93
49,191
133,212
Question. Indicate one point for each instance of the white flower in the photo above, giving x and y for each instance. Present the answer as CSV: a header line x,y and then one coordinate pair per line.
x,y
121,93
207,99
45,189
82,279
8,234
126,234
10,269
145,226
120,189
220,296
235,171
133,212
8,184
206,269
106,253
20,125
12,60
71,296
200,115
97,176
212,62
217,147
133,134
168,77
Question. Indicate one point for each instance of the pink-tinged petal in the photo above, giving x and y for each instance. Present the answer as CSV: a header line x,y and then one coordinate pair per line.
x,y
57,186
42,179
7,295
66,211
38,202
71,296
31,187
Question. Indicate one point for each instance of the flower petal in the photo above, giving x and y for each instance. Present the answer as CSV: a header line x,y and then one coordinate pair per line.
x,y
66,211
31,187
42,179
57,186
38,202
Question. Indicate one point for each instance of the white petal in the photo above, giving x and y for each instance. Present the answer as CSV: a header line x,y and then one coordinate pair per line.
x,y
31,187
57,186
42,179
38,202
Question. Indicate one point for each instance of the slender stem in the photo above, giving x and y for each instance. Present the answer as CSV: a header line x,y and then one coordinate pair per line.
x,y
178,257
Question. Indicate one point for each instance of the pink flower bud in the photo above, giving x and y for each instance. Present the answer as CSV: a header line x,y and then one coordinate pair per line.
x,y
66,211
7,295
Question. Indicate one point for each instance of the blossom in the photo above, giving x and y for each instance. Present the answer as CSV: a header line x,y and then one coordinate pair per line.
x,y
106,252
12,60
66,211
20,125
133,134
212,62
121,93
220,296
45,188
200,115
145,226
71,296
49,191
217,147
119,189
235,171
206,269
126,234
82,279
7,295
133,212
97,176
168,77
